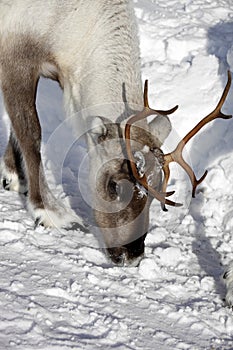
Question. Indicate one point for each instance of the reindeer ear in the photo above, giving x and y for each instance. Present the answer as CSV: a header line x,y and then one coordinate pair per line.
x,y
97,129
160,127
97,126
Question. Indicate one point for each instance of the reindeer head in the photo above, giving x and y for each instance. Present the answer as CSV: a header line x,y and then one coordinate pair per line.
x,y
127,175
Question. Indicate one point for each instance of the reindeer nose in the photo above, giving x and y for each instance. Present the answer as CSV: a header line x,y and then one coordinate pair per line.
x,y
129,254
136,248
118,255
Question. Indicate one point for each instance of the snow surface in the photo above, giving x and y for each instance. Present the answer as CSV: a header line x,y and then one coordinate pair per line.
x,y
58,290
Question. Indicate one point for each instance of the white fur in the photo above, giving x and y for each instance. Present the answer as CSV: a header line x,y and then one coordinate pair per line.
x,y
84,39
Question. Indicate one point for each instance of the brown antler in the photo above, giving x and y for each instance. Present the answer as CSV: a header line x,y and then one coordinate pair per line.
x,y
147,111
176,155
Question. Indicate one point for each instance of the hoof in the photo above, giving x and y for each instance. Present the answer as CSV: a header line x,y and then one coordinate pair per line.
x,y
58,217
6,184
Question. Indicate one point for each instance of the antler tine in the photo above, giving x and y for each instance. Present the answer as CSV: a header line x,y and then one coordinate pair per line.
x,y
176,155
147,111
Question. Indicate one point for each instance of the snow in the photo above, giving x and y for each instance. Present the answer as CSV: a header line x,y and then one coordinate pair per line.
x,y
58,290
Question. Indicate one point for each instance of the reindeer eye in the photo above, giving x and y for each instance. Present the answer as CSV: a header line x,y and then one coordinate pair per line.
x,y
116,189
113,188
121,190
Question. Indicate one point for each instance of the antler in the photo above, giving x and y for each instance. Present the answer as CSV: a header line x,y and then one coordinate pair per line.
x,y
147,111
176,155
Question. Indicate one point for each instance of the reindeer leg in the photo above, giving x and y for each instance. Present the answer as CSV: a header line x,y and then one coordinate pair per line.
x,y
19,88
19,85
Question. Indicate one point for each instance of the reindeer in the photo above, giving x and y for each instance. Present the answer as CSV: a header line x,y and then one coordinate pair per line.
x,y
91,48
